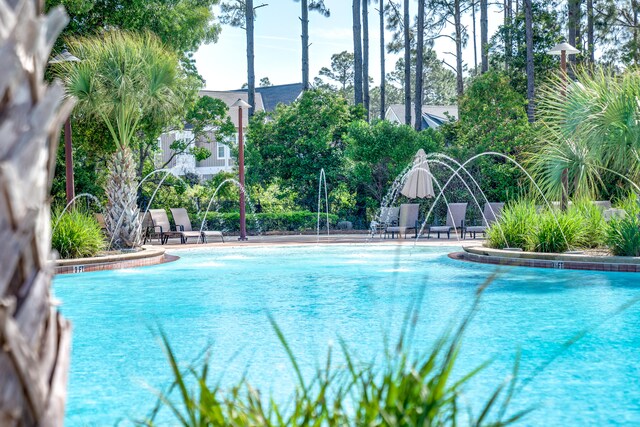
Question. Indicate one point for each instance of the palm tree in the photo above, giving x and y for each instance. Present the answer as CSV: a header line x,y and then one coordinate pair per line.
x,y
592,129
305,7
122,77
35,337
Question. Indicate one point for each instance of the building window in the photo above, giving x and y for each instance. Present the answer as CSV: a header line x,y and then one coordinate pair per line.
x,y
221,151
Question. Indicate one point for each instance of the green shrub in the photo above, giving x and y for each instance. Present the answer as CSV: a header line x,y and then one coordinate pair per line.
x,y
77,235
594,225
557,232
408,390
623,235
272,221
514,226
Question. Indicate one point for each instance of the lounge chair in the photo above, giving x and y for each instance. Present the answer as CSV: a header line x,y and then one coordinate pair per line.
x,y
456,213
408,220
183,224
389,217
490,214
161,228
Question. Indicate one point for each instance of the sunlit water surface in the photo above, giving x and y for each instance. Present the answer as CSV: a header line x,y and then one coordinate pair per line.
x,y
358,293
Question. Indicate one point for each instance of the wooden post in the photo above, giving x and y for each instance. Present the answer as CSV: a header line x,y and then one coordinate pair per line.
x,y
68,156
243,221
564,197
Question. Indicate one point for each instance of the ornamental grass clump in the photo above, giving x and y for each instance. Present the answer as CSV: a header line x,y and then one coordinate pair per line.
x,y
76,235
407,390
594,225
557,232
513,227
623,234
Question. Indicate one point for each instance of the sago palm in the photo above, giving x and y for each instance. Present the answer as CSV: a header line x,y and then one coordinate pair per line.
x,y
590,127
121,78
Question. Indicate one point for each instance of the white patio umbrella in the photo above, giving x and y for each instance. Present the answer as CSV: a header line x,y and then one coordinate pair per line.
x,y
419,184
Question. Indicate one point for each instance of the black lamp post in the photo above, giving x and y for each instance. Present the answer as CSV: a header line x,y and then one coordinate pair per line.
x,y
564,49
65,56
240,104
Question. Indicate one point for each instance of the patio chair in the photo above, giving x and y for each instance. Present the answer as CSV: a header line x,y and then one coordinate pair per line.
x,y
456,213
603,205
490,214
408,220
389,217
161,228
183,224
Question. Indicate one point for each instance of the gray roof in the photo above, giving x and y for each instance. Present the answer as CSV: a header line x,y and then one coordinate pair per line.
x,y
280,94
267,98
229,98
432,115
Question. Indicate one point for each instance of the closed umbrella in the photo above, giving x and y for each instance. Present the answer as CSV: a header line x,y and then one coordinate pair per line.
x,y
419,184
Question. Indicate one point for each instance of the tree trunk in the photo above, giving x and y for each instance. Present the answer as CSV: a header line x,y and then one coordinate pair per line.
x,y
407,65
123,225
365,55
419,66
475,37
574,29
508,37
590,39
484,32
251,75
357,52
383,74
458,24
529,40
35,338
304,19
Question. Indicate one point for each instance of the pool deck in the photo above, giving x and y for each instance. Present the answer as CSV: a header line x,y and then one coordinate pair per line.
x,y
300,239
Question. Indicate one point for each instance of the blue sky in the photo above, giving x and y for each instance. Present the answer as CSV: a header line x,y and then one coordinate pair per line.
x,y
278,45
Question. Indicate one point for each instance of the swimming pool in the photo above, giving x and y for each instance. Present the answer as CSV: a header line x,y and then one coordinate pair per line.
x,y
317,294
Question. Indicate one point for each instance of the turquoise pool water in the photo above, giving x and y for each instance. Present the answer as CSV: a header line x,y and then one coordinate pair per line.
x,y
318,294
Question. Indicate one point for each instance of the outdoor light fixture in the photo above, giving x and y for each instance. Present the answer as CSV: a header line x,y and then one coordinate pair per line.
x,y
240,104
65,56
564,49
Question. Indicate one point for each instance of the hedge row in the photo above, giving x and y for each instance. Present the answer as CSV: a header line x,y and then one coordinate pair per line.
x,y
263,222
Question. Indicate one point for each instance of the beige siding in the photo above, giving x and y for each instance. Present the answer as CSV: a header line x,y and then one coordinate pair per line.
x,y
211,144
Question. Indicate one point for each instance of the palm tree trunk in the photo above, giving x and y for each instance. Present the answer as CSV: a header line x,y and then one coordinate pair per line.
x,y
35,338
419,65
365,55
484,33
529,40
304,19
357,52
123,225
251,75
383,74
407,65
458,24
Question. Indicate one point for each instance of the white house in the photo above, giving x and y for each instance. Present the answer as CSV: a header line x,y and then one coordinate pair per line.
x,y
267,98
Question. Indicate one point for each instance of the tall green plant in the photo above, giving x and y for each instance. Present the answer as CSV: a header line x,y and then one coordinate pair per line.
x,y
406,391
556,232
592,129
121,79
623,234
514,226
76,234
